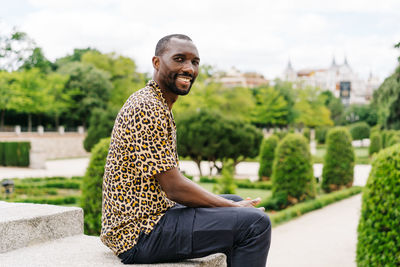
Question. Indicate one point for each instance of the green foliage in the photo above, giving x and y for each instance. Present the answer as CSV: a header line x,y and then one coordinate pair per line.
x,y
338,168
89,88
387,100
205,135
91,200
335,106
310,108
101,124
359,130
375,143
310,205
267,152
378,229
226,184
307,134
271,108
14,153
292,175
394,139
53,201
320,134
15,47
37,60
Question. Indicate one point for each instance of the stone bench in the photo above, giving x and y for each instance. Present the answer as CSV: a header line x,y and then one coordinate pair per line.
x,y
48,235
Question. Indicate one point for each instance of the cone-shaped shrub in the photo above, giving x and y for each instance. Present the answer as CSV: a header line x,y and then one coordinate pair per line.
x,y
338,169
292,175
267,152
378,229
359,130
375,144
92,183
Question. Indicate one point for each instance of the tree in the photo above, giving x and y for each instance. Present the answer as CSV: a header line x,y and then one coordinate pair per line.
x,y
271,108
205,135
88,87
15,48
37,60
310,108
335,106
6,95
32,94
122,72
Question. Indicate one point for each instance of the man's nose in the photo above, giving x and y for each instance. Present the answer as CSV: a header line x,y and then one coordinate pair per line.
x,y
188,67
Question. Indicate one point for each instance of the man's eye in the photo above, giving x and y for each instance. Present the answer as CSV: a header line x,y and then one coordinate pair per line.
x,y
195,62
179,59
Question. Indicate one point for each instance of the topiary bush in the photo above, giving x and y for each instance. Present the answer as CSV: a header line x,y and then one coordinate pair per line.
x,y
359,130
267,152
292,175
375,144
92,184
15,153
226,184
394,139
378,228
338,169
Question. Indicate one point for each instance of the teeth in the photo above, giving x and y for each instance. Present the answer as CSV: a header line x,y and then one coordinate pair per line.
x,y
184,79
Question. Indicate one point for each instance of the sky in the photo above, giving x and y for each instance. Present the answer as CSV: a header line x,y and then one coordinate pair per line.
x,y
252,36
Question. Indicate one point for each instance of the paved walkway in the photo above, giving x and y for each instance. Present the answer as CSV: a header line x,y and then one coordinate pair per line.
x,y
325,237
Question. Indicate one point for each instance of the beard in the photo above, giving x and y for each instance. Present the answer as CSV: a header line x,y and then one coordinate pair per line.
x,y
174,89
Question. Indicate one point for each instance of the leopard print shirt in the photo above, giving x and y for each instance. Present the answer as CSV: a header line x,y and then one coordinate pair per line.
x,y
143,143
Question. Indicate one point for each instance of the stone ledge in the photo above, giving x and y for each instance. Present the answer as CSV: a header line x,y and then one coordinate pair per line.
x,y
25,224
86,251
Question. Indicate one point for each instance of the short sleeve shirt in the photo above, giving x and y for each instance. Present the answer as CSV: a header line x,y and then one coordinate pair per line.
x,y
143,143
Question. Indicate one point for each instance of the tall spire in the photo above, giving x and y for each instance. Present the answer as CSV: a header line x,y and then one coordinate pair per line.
x,y
289,65
333,62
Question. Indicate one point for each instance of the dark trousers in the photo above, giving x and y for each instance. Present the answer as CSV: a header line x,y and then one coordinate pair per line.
x,y
243,234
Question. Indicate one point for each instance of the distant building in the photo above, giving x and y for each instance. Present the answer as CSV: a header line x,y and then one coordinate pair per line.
x,y
341,80
234,78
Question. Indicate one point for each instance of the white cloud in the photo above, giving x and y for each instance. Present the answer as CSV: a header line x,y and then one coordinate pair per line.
x,y
251,35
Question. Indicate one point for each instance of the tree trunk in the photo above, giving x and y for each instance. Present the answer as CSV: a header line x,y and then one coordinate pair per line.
x,y
57,121
198,162
3,112
29,122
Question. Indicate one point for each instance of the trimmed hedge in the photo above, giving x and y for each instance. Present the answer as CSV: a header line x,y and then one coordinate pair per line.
x,y
359,130
53,201
338,169
267,153
375,144
14,154
378,228
91,200
242,183
292,175
310,205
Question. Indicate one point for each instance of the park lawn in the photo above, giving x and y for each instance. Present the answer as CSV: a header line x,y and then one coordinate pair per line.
x,y
243,192
362,156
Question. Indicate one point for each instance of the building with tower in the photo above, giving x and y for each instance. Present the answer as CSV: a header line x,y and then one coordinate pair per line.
x,y
340,79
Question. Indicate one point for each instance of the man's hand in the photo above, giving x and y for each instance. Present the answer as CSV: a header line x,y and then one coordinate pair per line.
x,y
248,202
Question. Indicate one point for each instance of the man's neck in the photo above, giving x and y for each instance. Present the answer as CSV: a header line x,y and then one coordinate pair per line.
x,y
169,96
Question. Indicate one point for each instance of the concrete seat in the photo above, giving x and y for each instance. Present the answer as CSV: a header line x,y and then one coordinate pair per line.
x,y
48,235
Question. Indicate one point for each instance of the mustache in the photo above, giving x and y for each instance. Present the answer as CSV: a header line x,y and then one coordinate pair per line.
x,y
188,75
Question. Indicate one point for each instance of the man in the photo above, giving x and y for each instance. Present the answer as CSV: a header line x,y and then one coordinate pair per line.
x,y
151,212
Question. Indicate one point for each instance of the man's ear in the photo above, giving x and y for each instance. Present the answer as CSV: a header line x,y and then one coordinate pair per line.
x,y
156,62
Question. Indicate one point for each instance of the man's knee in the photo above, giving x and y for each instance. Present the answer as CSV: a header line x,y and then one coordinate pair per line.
x,y
254,219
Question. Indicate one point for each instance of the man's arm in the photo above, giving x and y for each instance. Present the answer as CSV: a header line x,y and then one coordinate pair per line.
x,y
182,190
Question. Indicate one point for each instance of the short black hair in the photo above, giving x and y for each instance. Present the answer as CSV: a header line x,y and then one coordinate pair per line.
x,y
162,44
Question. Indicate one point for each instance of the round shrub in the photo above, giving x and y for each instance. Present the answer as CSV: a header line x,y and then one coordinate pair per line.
x,y
92,184
376,143
359,130
267,152
338,168
394,139
292,175
378,228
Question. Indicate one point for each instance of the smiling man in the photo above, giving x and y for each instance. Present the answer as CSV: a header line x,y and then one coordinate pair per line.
x,y
151,212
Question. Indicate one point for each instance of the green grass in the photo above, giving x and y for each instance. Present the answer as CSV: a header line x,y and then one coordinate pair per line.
x,y
362,156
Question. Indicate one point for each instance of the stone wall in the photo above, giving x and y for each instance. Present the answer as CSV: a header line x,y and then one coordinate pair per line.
x,y
51,145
